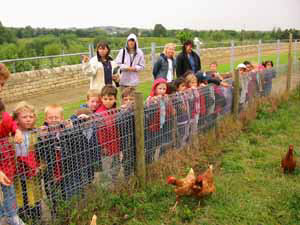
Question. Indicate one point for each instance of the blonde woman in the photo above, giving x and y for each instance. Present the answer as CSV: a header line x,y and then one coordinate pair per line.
x,y
165,66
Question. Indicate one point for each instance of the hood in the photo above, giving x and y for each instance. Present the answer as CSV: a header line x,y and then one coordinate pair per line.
x,y
132,36
157,82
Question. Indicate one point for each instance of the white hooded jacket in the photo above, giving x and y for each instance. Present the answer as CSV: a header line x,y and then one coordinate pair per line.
x,y
129,78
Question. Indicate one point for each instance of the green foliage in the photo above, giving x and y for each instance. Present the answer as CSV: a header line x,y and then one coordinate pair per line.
x,y
183,36
52,49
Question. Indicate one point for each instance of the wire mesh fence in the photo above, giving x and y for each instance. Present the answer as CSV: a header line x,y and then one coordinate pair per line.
x,y
56,163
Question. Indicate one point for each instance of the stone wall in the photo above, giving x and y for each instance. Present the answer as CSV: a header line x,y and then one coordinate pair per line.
x,y
40,82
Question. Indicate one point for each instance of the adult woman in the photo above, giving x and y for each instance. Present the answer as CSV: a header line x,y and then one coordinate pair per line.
x,y
165,65
101,69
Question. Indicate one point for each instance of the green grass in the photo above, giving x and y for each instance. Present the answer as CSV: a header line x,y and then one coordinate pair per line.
x,y
251,188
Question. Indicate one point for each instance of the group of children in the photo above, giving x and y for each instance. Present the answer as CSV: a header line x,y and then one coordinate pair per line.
x,y
98,142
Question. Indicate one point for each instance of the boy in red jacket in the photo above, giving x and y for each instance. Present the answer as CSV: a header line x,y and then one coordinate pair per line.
x,y
7,159
108,136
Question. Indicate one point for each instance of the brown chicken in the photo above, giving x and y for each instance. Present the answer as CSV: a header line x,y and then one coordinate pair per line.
x,y
288,163
94,220
183,186
204,184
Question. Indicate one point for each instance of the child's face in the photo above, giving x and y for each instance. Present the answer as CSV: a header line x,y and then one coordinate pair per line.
x,y
161,89
268,65
108,101
26,120
53,117
193,83
2,82
213,67
181,87
93,103
127,100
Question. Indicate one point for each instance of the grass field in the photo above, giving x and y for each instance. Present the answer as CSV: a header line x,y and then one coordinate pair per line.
x,y
251,188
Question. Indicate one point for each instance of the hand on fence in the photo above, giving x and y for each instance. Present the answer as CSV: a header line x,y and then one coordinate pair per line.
x,y
4,180
18,137
116,78
85,58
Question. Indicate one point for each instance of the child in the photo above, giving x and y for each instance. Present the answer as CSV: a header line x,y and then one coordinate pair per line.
x,y
107,133
90,151
242,69
182,112
160,121
268,75
7,169
27,182
197,101
126,128
52,147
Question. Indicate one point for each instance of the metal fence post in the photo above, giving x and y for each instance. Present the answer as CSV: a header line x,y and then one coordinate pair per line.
x,y
139,137
232,56
289,75
236,94
153,57
259,52
198,48
91,50
278,56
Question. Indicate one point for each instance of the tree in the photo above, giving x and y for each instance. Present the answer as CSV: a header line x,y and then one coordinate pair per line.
x,y
183,36
52,49
159,31
134,30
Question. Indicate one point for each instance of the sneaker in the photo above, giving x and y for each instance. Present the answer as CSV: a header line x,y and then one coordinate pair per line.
x,y
15,220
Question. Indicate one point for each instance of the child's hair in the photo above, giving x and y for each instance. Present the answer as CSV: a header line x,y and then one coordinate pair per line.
x,y
214,63
109,90
129,91
2,106
92,93
266,62
246,63
23,106
4,72
171,88
179,81
54,106
85,111
189,78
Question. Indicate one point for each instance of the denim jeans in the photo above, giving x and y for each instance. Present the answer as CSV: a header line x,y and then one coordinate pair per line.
x,y
9,204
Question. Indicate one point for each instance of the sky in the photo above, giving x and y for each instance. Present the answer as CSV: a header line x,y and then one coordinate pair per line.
x,y
175,14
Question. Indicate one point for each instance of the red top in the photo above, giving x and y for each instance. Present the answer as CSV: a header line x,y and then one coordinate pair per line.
x,y
108,134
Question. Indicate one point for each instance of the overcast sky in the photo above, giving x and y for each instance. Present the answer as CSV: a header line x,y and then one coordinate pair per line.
x,y
175,14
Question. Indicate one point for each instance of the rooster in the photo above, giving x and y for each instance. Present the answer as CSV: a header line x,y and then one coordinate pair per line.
x,y
204,184
183,186
288,163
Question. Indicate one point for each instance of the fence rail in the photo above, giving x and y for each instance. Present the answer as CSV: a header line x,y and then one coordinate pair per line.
x,y
40,62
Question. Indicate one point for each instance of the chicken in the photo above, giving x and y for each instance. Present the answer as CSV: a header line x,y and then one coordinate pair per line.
x,y
94,220
183,186
288,163
204,184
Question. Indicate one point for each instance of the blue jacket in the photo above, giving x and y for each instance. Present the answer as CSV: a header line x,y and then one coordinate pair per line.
x,y
161,67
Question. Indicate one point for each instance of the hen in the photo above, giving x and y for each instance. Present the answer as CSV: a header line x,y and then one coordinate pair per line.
x,y
183,186
204,184
288,163
94,220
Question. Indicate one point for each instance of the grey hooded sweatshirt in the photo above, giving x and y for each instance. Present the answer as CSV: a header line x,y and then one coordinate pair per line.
x,y
137,61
